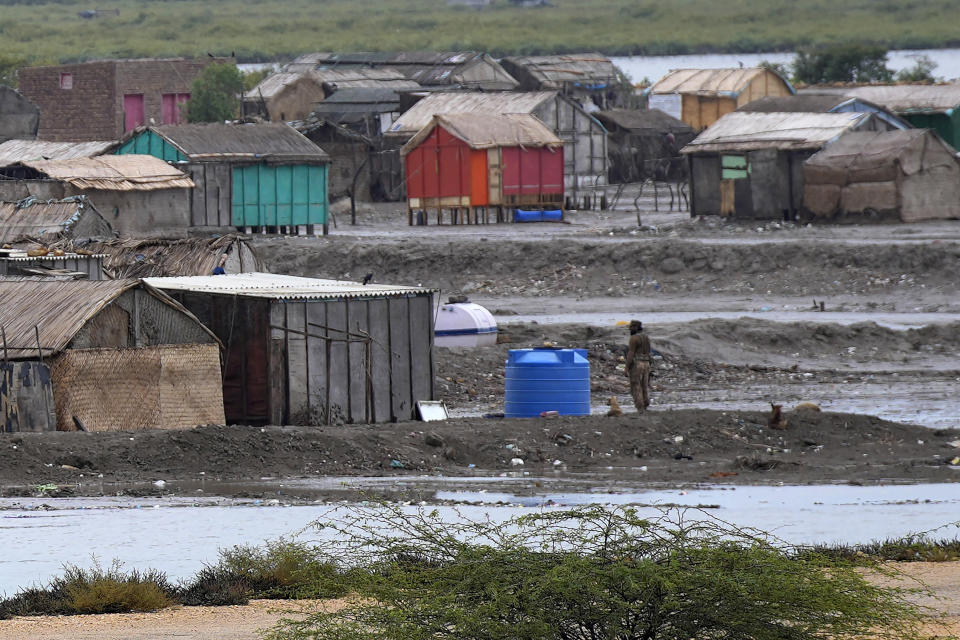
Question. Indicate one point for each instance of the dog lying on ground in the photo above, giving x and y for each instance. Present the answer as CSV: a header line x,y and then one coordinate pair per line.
x,y
615,410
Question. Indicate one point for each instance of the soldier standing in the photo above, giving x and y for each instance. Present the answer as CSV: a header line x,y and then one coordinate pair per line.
x,y
638,365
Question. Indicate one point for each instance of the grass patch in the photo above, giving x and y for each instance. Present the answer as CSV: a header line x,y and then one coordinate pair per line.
x,y
45,31
908,549
95,590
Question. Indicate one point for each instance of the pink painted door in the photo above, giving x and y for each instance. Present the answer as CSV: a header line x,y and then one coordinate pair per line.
x,y
171,107
133,113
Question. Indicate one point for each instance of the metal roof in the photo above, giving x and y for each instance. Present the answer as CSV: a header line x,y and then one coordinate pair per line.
x,y
341,78
484,131
131,172
488,102
254,141
711,81
911,98
280,287
13,151
745,131
553,72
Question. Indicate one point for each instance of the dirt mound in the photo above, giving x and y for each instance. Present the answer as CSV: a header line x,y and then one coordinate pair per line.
x,y
588,266
666,447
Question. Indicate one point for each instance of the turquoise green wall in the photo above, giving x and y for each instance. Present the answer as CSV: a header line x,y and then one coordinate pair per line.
x,y
948,126
150,144
274,195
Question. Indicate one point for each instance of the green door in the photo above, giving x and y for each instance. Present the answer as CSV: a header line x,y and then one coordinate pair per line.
x,y
279,195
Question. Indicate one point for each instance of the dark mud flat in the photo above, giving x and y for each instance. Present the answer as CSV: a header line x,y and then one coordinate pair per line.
x,y
659,448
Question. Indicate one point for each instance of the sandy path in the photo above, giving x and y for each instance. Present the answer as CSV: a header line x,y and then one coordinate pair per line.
x,y
243,623
183,623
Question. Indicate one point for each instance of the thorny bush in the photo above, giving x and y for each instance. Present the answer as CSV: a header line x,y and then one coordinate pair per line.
x,y
592,573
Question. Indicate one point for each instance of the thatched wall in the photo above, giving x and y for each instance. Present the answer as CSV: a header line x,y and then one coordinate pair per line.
x,y
162,387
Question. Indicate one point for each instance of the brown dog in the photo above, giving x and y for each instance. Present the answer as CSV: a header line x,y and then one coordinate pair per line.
x,y
777,420
615,410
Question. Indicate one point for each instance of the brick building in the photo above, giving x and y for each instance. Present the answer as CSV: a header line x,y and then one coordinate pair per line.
x,y
102,100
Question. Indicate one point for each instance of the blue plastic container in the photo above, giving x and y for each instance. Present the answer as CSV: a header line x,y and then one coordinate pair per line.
x,y
540,380
553,215
520,215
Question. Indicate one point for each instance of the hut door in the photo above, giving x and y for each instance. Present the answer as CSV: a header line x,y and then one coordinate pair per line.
x,y
494,176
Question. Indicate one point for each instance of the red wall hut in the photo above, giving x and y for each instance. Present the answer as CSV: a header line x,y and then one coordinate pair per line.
x,y
469,163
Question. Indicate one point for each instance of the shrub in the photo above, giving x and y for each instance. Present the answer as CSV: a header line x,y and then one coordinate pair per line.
x,y
594,573
94,590
285,569
850,62
215,94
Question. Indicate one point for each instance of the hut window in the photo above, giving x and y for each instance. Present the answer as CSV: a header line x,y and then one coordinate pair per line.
x,y
734,167
66,81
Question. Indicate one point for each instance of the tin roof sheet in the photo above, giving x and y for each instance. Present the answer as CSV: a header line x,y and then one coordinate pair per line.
x,y
745,131
278,286
488,102
485,131
263,140
13,151
131,172
708,81
911,98
348,77
553,72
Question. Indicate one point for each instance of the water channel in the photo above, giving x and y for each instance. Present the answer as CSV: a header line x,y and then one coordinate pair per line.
x,y
180,535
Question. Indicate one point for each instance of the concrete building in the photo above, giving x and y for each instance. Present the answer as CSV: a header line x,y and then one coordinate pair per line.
x,y
76,352
19,118
137,194
750,165
253,176
584,138
315,352
872,176
104,99
700,97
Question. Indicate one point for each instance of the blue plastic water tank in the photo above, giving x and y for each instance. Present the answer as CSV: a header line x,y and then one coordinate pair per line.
x,y
521,215
547,380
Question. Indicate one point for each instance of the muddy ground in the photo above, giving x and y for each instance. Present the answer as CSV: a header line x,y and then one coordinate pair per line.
x,y
713,379
661,448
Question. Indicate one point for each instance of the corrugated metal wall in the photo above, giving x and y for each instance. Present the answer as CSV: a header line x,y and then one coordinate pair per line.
x,y
149,143
277,195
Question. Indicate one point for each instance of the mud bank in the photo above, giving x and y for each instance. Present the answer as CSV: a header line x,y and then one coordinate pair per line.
x,y
586,266
659,448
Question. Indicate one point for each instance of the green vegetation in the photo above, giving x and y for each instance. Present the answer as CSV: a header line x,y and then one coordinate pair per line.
x,y
97,590
215,94
848,62
919,548
920,72
53,32
595,573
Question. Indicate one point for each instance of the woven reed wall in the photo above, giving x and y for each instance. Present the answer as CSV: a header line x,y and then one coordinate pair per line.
x,y
162,387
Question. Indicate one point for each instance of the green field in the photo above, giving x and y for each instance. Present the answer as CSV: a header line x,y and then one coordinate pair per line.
x,y
52,31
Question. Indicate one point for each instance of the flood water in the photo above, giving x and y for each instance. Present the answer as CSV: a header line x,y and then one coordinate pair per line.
x,y
179,536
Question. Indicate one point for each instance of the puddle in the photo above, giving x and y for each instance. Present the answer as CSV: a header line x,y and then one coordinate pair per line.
x,y
180,535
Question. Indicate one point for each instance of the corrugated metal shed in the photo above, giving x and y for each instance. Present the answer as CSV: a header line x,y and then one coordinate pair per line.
x,y
255,141
58,309
589,70
729,82
911,98
420,115
277,286
486,131
341,78
13,151
741,131
45,220
114,173
641,120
